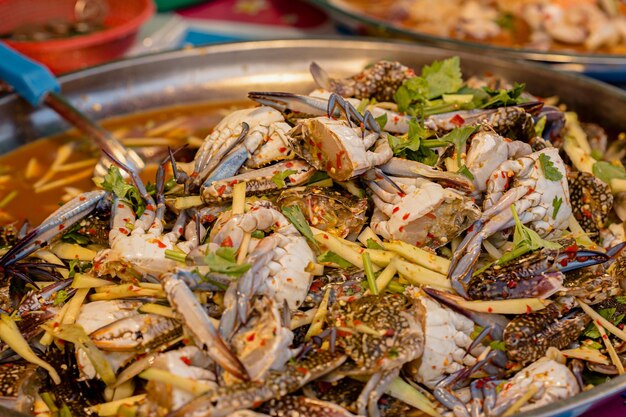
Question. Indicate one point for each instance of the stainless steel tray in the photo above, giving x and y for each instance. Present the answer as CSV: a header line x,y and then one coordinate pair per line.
x,y
229,71
607,67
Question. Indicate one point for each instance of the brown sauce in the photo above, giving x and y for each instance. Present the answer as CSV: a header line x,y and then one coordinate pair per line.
x,y
24,197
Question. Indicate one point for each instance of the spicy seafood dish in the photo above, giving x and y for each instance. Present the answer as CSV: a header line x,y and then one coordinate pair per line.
x,y
588,26
394,243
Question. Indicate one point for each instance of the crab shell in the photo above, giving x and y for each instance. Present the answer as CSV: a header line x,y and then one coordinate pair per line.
x,y
337,148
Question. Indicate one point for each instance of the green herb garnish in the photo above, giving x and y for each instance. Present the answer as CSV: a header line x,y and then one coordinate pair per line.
x,y
224,261
280,177
295,216
332,257
556,205
549,170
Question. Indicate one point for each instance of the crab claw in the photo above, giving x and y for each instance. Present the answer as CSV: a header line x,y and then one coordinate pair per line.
x,y
199,325
63,218
566,262
291,103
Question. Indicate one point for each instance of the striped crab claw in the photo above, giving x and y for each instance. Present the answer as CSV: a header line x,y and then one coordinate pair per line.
x,y
53,226
337,146
197,322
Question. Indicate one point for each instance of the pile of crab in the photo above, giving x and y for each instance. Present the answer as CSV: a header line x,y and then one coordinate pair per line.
x,y
387,244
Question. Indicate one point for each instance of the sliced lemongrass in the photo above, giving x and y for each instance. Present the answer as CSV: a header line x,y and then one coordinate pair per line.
x,y
182,203
62,155
302,318
418,275
11,335
49,257
8,198
88,281
526,396
163,128
368,234
120,392
319,318
513,306
579,233
379,257
333,244
239,198
586,354
151,285
113,292
159,309
33,169
385,277
110,408
419,256
314,269
65,181
328,182
48,337
602,321
144,362
72,251
77,165
582,160
369,273
618,185
575,132
138,142
74,306
404,392
617,362
186,384
243,248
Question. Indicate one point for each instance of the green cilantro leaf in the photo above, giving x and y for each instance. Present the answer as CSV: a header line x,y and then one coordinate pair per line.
x,y
258,234
280,177
540,126
381,120
502,97
458,137
621,299
318,176
506,21
409,146
556,205
609,314
443,77
549,170
114,182
295,216
60,297
332,257
224,261
498,345
607,171
525,240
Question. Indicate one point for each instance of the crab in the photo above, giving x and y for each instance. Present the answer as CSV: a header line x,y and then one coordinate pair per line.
x,y
423,213
338,147
536,186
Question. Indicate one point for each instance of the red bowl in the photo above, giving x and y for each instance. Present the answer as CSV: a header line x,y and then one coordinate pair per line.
x,y
122,22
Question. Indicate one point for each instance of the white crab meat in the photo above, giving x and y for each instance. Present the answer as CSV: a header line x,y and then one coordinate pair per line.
x,y
340,149
263,343
424,214
487,151
446,340
553,381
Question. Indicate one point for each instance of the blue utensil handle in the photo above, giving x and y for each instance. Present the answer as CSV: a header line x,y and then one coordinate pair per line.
x,y
31,80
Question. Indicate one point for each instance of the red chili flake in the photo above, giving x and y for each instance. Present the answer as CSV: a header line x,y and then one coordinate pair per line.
x,y
338,160
401,195
233,182
528,309
262,342
401,229
250,337
390,332
150,207
186,360
564,262
120,206
228,242
302,370
582,258
341,333
56,324
282,149
289,164
325,237
328,166
457,120
161,244
123,230
470,228
406,216
571,248
91,231
210,218
357,322
61,226
395,209
194,174
430,235
511,284
82,198
604,336
221,190
185,341
490,310
430,215
587,213
180,230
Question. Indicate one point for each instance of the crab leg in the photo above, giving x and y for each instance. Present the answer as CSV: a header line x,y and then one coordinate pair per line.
x,y
197,322
63,218
400,167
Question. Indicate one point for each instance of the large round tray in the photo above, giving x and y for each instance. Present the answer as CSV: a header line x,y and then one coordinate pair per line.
x,y
607,67
229,71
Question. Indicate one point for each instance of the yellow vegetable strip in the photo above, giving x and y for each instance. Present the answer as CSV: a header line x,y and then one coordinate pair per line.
x,y
586,354
74,306
335,245
513,306
579,234
160,130
150,142
87,281
386,276
11,335
8,198
77,165
602,321
528,394
418,275
62,155
159,309
367,234
65,181
404,392
609,347
419,256
71,251
187,384
110,408
318,320
48,337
